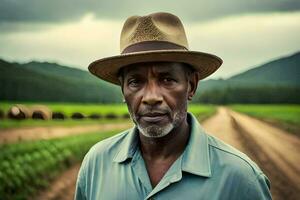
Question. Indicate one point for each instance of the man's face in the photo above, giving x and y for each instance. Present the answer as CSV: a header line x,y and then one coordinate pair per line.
x,y
156,96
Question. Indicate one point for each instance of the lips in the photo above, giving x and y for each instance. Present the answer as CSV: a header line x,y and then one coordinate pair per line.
x,y
153,117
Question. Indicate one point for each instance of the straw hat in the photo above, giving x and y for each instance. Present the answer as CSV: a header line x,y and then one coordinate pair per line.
x,y
154,38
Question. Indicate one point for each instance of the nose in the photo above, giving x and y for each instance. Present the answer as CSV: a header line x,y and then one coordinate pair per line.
x,y
152,95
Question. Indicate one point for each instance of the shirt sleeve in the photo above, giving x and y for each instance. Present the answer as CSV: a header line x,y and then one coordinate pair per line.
x,y
80,186
259,188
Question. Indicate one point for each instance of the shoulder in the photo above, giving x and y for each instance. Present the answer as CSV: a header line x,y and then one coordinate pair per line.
x,y
99,155
237,168
103,152
107,147
228,156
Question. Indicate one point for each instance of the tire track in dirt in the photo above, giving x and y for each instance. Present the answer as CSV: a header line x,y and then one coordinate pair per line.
x,y
36,133
275,150
261,142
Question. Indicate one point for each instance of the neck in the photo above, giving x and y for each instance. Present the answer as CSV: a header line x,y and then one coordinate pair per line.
x,y
167,147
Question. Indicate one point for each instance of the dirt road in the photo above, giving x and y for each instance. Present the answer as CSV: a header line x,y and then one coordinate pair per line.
x,y
35,133
274,150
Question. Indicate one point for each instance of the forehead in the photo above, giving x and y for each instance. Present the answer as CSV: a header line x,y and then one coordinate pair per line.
x,y
155,68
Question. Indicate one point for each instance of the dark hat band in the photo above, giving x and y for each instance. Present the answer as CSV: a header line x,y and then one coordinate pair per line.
x,y
152,45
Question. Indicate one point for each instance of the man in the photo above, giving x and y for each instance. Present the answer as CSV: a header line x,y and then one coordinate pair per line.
x,y
167,155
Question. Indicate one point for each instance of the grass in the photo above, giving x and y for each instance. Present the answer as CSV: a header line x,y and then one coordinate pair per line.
x,y
202,112
69,108
8,123
284,116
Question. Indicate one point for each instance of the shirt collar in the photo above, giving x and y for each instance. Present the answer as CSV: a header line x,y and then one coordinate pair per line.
x,y
195,158
128,146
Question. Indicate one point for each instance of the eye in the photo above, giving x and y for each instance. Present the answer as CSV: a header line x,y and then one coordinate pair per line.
x,y
133,82
168,80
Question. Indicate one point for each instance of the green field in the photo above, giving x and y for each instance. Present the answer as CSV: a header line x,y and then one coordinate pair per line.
x,y
201,111
69,108
26,167
8,123
285,116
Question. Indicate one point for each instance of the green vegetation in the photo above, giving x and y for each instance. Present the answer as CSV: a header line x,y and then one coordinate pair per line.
x,y
69,108
201,111
8,123
285,116
236,93
37,81
26,167
49,82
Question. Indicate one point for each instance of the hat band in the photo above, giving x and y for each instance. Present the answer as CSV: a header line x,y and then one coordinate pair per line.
x,y
152,45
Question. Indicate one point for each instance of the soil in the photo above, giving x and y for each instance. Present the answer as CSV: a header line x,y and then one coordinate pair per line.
x,y
36,133
274,150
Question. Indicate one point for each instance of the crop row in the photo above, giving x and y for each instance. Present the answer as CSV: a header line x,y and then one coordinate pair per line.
x,y
26,167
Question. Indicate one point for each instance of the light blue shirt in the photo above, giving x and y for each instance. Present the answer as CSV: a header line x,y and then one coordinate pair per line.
x,y
208,169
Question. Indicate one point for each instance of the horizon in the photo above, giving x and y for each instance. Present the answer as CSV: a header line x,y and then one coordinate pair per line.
x,y
244,34
208,78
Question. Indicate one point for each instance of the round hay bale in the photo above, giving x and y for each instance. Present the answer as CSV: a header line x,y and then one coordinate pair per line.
x,y
126,116
58,115
41,112
19,111
77,115
111,116
95,116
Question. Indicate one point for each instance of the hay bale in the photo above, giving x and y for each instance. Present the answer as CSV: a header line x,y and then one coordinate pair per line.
x,y
41,112
95,116
77,115
19,111
111,116
58,115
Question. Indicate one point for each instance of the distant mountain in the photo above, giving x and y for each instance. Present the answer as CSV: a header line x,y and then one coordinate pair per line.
x,y
277,81
36,81
281,71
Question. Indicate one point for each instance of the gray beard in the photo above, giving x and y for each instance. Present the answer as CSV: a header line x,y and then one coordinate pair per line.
x,y
155,131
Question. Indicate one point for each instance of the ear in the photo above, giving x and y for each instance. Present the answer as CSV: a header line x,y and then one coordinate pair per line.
x,y
193,84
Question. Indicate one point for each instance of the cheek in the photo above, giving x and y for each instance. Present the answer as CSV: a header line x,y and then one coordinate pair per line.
x,y
132,100
176,98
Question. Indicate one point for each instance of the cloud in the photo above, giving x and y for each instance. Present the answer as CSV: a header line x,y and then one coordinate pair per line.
x,y
241,41
193,10
246,41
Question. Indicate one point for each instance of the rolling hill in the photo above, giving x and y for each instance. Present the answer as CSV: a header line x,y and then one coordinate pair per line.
x,y
285,71
36,81
277,81
282,72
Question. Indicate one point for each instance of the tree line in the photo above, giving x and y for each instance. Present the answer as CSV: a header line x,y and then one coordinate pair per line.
x,y
250,95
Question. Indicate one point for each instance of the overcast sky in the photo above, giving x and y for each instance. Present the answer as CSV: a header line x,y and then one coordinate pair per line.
x,y
76,32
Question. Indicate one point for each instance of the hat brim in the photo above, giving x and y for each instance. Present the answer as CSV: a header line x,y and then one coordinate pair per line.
x,y
107,68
